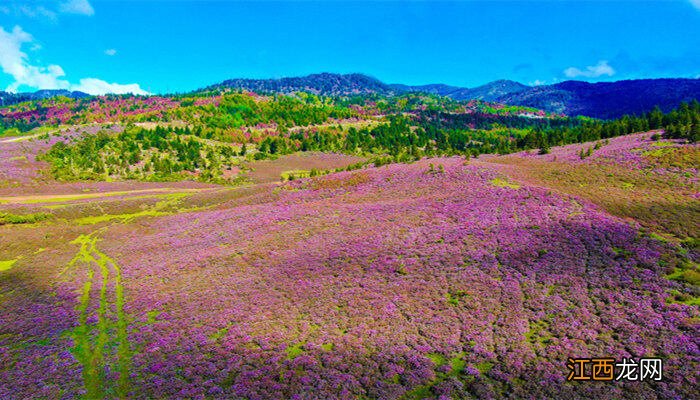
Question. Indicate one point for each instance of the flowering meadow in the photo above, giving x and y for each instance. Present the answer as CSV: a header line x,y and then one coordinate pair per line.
x,y
443,278
639,176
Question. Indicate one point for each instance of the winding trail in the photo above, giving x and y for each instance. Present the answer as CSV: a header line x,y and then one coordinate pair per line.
x,y
111,350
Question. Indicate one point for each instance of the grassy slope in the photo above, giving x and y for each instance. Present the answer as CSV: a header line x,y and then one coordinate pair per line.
x,y
658,188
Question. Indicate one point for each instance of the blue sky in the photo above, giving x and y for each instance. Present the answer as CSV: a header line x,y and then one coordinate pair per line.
x,y
169,46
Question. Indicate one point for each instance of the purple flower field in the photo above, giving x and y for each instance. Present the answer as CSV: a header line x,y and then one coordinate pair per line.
x,y
403,281
635,152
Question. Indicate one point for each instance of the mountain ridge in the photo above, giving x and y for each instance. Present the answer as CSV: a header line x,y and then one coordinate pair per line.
x,y
608,99
598,100
603,100
325,83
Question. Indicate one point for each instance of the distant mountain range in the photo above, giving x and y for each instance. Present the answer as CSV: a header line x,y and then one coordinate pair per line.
x,y
606,99
599,100
7,98
489,92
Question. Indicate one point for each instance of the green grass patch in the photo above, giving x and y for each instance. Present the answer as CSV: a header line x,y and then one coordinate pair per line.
x,y
7,264
688,275
14,132
67,198
420,392
151,316
662,144
664,237
458,364
437,359
484,367
498,182
63,199
161,208
453,298
295,174
220,332
674,157
94,344
294,351
657,152
96,219
683,298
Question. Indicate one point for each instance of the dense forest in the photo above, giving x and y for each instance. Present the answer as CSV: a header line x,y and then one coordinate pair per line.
x,y
138,153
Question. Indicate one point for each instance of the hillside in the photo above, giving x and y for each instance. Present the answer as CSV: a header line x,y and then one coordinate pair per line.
x,y
210,136
437,88
491,91
606,99
488,92
445,277
326,84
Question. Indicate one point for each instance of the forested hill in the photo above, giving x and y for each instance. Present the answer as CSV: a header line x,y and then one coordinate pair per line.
x,y
329,84
326,84
488,92
606,99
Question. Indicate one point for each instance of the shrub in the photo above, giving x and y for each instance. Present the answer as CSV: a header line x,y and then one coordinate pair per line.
x,y
15,219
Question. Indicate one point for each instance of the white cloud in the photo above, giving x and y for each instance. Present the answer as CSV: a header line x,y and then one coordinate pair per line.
x,y
46,9
538,82
695,3
36,12
111,52
81,7
16,63
98,86
600,69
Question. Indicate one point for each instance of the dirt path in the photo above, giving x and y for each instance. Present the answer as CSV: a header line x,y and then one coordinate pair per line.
x,y
33,199
23,138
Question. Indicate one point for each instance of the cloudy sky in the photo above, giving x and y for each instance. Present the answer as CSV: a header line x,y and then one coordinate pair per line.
x,y
159,46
